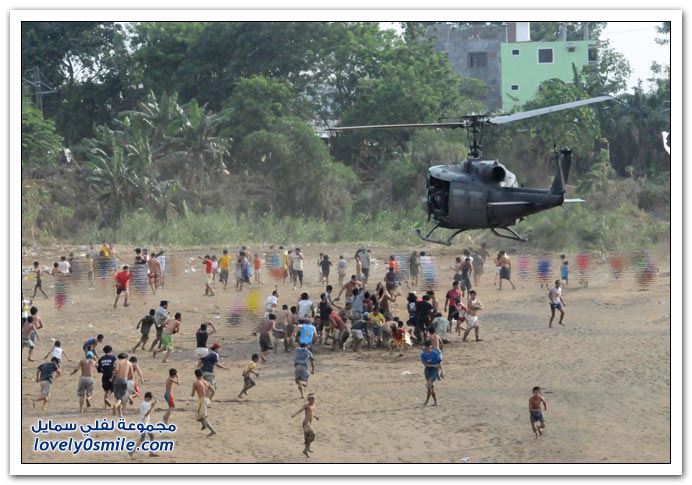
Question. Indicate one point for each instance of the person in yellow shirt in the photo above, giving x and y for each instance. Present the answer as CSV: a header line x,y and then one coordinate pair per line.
x,y
225,267
249,369
105,250
375,322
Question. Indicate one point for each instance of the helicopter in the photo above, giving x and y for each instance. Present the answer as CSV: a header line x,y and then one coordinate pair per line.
x,y
480,192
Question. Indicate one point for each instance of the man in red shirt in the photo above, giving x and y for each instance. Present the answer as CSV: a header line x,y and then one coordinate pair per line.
x,y
122,281
209,274
452,300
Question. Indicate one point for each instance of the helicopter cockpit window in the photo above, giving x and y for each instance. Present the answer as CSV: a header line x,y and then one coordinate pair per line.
x,y
438,197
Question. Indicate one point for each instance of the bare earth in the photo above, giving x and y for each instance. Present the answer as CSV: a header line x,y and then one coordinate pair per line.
x,y
606,376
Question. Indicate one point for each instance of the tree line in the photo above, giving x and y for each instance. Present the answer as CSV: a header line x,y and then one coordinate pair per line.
x,y
176,118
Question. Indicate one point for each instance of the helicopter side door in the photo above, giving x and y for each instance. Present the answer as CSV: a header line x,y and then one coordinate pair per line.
x,y
468,207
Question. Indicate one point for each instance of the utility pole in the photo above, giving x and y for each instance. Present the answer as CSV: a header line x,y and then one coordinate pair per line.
x,y
38,84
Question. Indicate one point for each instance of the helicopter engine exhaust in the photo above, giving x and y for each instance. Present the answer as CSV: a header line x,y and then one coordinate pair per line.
x,y
496,173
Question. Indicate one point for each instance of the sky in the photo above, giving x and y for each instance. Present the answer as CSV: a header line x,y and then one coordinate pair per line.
x,y
635,40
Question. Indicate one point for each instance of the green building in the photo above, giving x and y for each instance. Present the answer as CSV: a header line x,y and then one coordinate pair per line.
x,y
506,59
525,65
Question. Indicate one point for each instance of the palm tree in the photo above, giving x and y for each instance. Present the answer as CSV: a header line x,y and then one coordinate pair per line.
x,y
109,175
201,151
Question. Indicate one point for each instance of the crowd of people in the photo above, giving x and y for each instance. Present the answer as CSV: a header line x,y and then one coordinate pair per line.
x,y
360,314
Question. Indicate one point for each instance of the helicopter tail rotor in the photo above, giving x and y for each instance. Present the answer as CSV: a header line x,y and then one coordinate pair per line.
x,y
563,163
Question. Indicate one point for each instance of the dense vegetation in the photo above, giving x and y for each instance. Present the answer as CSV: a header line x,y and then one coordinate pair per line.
x,y
205,132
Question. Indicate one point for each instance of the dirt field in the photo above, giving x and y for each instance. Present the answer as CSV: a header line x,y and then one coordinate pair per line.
x,y
606,375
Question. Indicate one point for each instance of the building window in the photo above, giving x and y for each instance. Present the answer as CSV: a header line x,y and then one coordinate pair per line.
x,y
515,52
545,56
515,87
593,54
478,59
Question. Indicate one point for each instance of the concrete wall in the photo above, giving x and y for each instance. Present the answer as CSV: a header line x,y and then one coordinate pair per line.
x,y
462,44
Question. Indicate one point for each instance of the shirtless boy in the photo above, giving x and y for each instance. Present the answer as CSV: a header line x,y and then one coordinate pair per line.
x,y
37,285
348,288
310,412
201,388
154,273
28,333
132,388
85,388
265,333
535,412
435,340
121,374
472,315
168,395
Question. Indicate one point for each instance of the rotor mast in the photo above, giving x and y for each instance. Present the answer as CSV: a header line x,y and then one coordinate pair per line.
x,y
474,131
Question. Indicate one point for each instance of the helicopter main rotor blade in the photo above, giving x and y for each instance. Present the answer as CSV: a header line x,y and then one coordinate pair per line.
x,y
549,109
455,124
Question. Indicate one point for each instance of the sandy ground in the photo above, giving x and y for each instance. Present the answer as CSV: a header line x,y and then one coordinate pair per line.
x,y
606,376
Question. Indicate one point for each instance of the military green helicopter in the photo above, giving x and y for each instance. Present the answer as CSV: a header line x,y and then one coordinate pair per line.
x,y
480,192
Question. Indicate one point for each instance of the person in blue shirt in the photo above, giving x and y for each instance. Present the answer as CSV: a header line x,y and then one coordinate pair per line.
x,y
564,269
209,363
91,345
307,334
432,361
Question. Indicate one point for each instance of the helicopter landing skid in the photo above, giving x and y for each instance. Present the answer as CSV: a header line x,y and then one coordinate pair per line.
x,y
427,238
514,236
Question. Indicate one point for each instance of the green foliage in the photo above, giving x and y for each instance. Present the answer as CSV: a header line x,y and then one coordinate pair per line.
x,y
550,31
297,166
41,145
577,128
609,75
229,227
257,103
409,84
581,227
654,194
31,208
201,123
88,64
167,51
663,29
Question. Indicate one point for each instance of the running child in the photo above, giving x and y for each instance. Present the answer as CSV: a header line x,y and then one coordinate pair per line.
x,y
556,303
145,410
168,395
536,415
249,369
432,363
58,352
202,388
564,269
310,412
45,373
